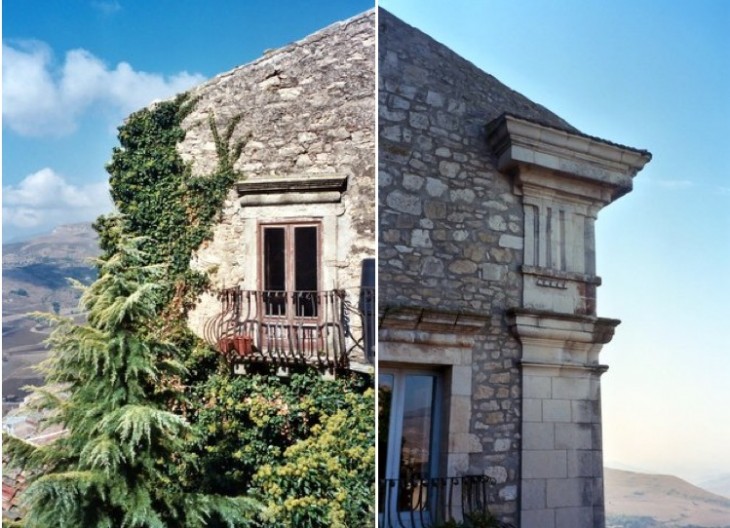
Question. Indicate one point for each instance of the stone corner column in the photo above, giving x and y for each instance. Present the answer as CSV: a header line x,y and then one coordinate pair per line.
x,y
562,460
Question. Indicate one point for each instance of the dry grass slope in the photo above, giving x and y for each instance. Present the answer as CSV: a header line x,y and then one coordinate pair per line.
x,y
669,500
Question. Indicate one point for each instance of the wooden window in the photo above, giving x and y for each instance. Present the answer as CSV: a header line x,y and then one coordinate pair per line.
x,y
291,269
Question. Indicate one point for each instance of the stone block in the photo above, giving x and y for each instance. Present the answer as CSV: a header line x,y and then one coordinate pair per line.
x,y
539,519
585,411
498,473
582,463
573,436
562,493
572,389
508,493
556,411
461,381
493,272
460,414
533,494
538,435
532,410
537,387
577,517
511,242
544,464
502,444
464,443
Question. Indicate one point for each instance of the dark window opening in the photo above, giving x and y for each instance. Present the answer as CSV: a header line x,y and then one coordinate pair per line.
x,y
291,270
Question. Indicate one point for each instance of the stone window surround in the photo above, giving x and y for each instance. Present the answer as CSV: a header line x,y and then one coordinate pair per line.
x,y
420,337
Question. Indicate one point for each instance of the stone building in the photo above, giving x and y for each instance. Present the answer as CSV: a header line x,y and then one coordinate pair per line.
x,y
488,340
292,260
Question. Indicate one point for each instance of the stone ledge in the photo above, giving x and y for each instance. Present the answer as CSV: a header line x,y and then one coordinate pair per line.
x,y
559,275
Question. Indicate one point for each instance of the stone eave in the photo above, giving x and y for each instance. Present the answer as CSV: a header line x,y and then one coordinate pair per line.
x,y
520,142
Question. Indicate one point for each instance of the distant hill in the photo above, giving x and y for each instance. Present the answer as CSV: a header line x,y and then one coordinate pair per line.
x,y
639,500
35,278
719,485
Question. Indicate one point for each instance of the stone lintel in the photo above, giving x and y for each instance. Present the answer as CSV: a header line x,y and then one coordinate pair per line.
x,y
290,198
281,191
518,142
433,321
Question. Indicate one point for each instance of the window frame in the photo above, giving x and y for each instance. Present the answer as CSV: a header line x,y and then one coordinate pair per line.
x,y
393,451
289,227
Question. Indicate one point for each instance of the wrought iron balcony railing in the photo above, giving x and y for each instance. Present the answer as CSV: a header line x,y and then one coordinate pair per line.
x,y
324,328
431,502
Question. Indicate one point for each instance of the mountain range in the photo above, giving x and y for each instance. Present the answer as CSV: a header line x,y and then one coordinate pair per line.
x,y
35,279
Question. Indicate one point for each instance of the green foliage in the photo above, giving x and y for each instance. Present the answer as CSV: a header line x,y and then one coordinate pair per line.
x,y
20,292
303,446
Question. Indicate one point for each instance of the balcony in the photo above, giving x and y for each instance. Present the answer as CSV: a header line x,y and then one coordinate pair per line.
x,y
432,502
328,329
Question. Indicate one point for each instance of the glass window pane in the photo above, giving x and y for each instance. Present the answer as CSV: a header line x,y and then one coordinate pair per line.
x,y
274,259
305,242
274,270
417,416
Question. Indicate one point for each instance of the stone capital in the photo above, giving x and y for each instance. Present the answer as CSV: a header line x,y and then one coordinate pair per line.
x,y
560,339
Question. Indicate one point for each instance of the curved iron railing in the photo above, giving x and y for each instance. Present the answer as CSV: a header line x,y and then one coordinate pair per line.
x,y
290,327
427,502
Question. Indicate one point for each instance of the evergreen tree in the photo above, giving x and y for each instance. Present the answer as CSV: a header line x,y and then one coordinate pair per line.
x,y
116,466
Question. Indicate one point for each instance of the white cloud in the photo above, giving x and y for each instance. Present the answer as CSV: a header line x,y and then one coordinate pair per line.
x,y
106,7
41,98
45,199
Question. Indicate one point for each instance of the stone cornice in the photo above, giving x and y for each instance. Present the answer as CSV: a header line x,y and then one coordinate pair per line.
x,y
284,191
518,142
292,185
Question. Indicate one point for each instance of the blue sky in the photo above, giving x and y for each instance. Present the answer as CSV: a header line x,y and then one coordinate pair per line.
x,y
73,70
652,75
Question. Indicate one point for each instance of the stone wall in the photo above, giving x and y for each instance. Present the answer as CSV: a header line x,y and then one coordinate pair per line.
x,y
451,231
308,109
